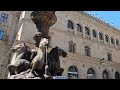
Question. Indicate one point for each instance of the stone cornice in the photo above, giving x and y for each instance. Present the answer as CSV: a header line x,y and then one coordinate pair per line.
x,y
98,20
74,56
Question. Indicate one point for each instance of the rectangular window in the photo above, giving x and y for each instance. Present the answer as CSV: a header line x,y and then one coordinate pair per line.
x,y
87,51
1,33
71,48
109,57
4,17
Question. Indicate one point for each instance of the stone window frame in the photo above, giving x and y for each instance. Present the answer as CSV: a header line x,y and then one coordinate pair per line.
x,y
70,25
87,51
94,33
109,56
101,37
87,30
117,42
73,74
106,38
112,40
79,28
91,74
72,47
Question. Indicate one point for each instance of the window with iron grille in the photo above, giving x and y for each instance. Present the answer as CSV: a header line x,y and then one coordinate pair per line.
x,y
105,74
117,75
91,74
72,72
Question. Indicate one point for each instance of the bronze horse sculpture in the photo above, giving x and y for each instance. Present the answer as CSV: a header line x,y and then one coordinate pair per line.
x,y
53,61
20,60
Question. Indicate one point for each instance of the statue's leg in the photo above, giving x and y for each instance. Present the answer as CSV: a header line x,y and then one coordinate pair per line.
x,y
22,65
50,76
59,71
34,65
12,69
31,73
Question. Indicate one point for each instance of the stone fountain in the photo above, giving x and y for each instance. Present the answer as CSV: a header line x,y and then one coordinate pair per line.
x,y
38,63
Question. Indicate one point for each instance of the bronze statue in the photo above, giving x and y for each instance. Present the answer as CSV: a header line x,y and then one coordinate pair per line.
x,y
54,61
20,57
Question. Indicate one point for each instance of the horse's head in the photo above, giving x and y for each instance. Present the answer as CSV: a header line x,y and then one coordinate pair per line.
x,y
59,51
19,48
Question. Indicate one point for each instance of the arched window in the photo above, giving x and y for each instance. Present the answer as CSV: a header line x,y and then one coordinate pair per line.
x,y
106,38
91,74
87,31
70,24
105,75
87,51
94,33
72,72
101,36
79,28
117,75
117,42
109,56
112,40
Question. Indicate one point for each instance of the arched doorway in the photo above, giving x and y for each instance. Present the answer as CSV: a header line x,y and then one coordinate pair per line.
x,y
91,74
72,72
117,75
105,75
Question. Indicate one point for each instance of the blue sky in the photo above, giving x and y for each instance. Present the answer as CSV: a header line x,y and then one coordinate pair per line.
x,y
111,17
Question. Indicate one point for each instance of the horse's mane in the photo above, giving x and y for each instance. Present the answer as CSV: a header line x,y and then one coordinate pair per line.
x,y
53,51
